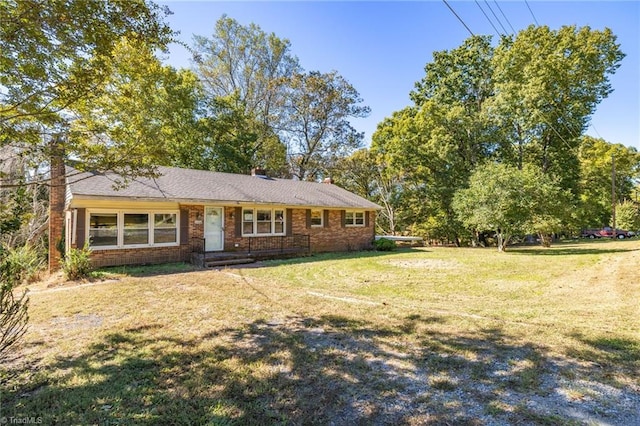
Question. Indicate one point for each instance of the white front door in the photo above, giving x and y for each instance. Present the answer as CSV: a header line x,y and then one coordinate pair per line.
x,y
213,229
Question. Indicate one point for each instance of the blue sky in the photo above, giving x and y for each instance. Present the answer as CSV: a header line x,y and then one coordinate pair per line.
x,y
381,48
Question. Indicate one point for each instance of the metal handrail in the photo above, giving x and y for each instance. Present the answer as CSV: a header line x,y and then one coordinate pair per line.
x,y
198,245
279,243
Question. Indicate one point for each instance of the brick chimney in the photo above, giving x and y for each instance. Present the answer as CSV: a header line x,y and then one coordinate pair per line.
x,y
259,172
56,202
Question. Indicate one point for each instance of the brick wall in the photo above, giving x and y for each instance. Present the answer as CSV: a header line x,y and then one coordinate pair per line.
x,y
140,256
56,205
332,236
154,255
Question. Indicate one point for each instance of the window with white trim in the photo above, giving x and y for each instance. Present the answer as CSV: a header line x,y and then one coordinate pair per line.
x,y
165,228
127,229
317,218
103,229
353,218
262,221
136,229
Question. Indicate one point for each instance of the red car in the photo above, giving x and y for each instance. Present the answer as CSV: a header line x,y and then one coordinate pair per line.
x,y
607,232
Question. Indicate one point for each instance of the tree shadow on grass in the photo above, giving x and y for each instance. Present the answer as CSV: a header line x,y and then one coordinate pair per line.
x,y
322,257
321,370
147,270
551,251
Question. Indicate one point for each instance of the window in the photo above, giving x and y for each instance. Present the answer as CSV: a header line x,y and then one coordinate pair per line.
x,y
316,218
136,229
263,222
279,222
103,229
118,229
352,218
165,230
247,221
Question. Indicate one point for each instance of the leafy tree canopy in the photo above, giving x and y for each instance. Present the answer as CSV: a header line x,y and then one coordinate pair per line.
x,y
524,101
508,200
56,52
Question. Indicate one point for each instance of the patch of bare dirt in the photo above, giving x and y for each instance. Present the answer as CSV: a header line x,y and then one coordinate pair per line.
x,y
431,264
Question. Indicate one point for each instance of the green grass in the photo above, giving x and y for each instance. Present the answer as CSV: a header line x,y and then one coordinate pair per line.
x,y
416,336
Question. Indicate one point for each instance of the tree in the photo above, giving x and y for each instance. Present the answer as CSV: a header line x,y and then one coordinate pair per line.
x,y
317,130
596,158
365,173
436,143
247,63
13,309
524,102
248,71
233,142
508,200
55,53
141,109
547,85
627,216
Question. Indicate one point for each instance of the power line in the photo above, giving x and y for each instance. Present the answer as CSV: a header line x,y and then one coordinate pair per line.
x,y
531,11
459,18
596,130
544,119
543,115
495,16
486,16
505,17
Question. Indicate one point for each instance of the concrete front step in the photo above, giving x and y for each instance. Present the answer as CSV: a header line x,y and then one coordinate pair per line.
x,y
226,262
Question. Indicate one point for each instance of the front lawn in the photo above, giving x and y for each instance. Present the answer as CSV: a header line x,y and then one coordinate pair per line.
x,y
419,336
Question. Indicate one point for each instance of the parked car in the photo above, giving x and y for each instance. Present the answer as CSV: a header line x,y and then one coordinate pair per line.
x,y
607,232
590,233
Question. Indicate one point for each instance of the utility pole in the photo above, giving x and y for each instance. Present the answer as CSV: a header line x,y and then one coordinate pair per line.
x,y
613,194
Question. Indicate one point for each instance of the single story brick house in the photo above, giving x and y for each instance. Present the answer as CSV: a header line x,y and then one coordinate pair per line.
x,y
183,214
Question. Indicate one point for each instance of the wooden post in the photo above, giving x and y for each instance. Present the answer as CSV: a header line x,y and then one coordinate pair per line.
x,y
613,195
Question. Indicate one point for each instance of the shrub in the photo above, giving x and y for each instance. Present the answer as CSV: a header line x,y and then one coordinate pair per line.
x,y
77,263
16,265
384,244
21,264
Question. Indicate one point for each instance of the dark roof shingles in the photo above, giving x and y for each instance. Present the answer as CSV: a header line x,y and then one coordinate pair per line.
x,y
183,184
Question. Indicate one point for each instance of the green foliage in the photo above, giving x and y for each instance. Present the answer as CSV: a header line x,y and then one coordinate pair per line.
x,y
245,74
77,263
524,102
60,51
261,105
230,141
139,110
596,171
316,126
21,264
13,209
628,216
385,244
16,266
508,200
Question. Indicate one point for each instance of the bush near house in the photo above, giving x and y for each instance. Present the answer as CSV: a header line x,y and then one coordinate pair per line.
x,y
385,244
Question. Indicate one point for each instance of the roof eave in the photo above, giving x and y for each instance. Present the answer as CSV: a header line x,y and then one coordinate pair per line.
x,y
205,201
